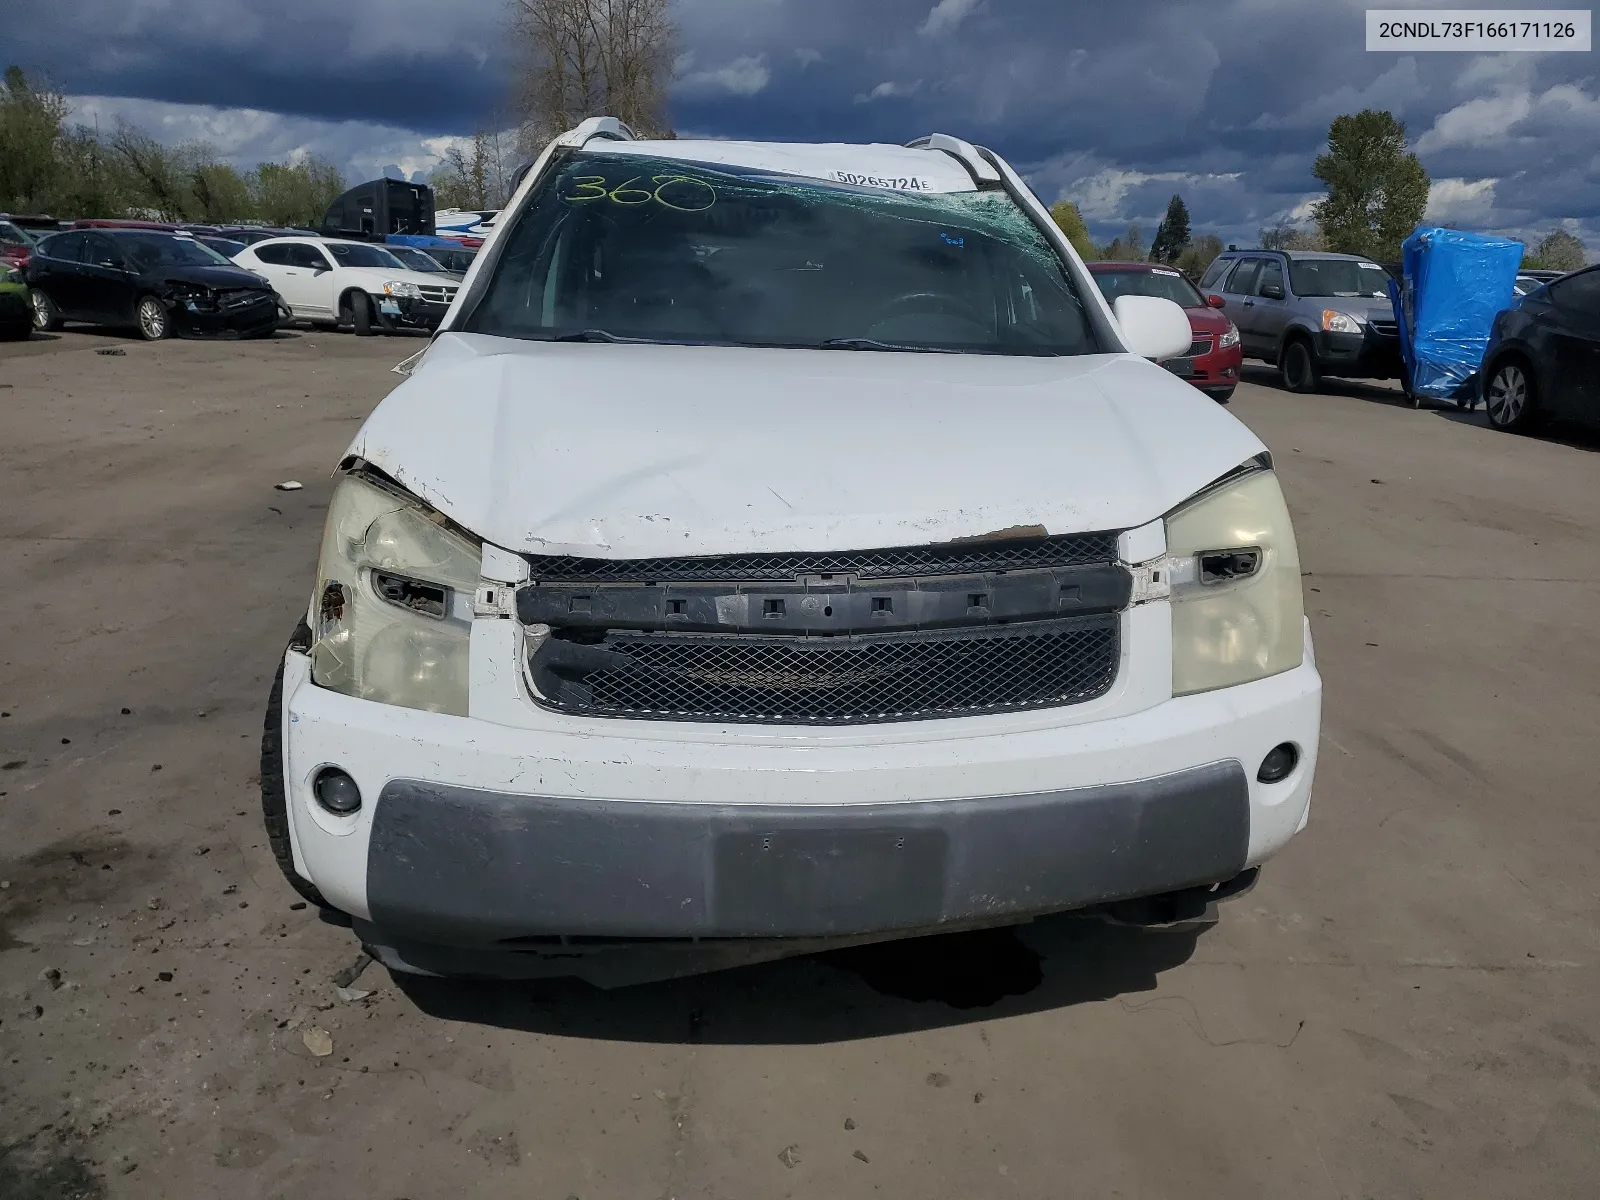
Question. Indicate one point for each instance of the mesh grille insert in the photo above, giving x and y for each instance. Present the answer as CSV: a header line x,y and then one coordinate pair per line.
x,y
839,680
1070,550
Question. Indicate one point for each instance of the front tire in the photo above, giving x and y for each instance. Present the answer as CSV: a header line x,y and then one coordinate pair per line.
x,y
151,315
274,797
1222,395
361,314
1512,398
1298,367
46,316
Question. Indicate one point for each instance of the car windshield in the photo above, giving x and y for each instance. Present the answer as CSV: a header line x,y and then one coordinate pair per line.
x,y
1165,285
226,247
416,259
146,250
633,247
358,254
1337,277
14,234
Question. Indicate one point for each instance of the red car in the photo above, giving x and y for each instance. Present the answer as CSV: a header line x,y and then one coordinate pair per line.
x,y
1212,363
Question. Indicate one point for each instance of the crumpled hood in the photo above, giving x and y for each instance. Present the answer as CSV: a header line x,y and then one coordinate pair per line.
x,y
633,451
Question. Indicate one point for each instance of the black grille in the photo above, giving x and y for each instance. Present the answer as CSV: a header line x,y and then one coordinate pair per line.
x,y
1200,347
836,680
951,558
1386,328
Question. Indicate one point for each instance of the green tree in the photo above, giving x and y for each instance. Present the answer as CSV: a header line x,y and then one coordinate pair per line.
x,y
295,194
1070,221
1127,248
1197,255
1377,191
31,123
157,175
1556,251
221,194
1172,235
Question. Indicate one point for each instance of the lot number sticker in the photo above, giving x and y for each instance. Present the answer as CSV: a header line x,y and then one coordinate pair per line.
x,y
899,183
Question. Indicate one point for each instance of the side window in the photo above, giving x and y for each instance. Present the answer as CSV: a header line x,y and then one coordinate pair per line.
x,y
1271,272
306,255
1243,280
1579,294
277,256
100,251
64,247
1214,272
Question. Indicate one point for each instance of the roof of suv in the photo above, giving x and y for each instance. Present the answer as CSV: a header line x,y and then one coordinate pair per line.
x,y
1295,253
873,164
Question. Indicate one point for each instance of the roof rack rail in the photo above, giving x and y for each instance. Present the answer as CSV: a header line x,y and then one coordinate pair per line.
x,y
981,170
596,127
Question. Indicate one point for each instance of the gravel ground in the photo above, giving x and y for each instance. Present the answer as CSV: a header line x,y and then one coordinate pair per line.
x,y
1404,1007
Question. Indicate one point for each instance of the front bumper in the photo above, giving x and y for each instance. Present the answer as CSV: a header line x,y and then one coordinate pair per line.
x,y
1365,355
493,833
408,312
210,319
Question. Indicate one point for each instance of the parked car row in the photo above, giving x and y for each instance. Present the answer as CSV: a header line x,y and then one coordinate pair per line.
x,y
167,281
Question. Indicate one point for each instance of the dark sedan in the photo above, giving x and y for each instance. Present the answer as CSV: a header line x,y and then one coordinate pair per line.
x,y
158,283
1543,358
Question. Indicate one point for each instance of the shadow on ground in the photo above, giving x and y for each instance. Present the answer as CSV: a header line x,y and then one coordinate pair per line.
x,y
863,992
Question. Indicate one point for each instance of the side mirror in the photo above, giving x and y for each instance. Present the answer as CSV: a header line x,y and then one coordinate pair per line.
x,y
1152,327
1272,291
1216,301
321,269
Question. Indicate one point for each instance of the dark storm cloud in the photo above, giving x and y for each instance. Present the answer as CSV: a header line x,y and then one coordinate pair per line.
x,y
1115,103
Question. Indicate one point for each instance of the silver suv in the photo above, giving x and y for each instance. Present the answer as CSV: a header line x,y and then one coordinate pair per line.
x,y
1310,312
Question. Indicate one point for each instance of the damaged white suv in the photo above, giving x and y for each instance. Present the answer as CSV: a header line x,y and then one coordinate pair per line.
x,y
781,546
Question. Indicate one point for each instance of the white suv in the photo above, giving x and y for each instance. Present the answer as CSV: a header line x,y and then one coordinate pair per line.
x,y
782,545
357,285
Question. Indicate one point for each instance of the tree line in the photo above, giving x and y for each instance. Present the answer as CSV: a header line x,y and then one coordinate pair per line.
x,y
50,165
1375,194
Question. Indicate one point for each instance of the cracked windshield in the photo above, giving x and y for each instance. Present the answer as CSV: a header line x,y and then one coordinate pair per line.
x,y
639,248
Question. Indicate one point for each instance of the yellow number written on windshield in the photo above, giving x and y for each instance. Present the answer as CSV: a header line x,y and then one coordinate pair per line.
x,y
682,193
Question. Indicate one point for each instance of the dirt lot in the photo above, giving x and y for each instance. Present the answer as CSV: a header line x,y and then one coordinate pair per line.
x,y
1405,1007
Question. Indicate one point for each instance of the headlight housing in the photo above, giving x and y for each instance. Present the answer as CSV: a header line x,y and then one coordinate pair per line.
x,y
1237,608
395,287
1229,339
391,618
1335,321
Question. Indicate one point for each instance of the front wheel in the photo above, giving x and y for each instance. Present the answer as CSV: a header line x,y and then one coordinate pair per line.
x,y
1298,368
274,798
152,317
46,316
1221,395
1511,397
361,314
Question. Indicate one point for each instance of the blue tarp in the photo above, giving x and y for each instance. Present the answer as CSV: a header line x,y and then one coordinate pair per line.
x,y
1454,284
422,241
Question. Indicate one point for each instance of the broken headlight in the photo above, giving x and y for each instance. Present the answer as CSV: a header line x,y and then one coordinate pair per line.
x,y
1237,609
392,615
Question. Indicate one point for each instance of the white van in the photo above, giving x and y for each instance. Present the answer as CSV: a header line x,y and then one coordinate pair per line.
x,y
780,546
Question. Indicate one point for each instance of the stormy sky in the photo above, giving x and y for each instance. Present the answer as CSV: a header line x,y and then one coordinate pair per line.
x,y
1115,104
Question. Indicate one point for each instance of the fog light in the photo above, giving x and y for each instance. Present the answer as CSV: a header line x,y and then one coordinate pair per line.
x,y
1280,760
338,793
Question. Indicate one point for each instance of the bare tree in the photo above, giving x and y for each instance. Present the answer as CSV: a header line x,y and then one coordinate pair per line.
x,y
589,58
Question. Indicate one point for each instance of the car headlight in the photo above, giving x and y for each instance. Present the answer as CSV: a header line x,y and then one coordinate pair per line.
x,y
1231,338
1335,321
1237,608
391,618
400,288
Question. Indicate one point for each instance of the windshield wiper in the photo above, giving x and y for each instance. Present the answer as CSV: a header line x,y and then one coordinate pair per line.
x,y
861,343
598,335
